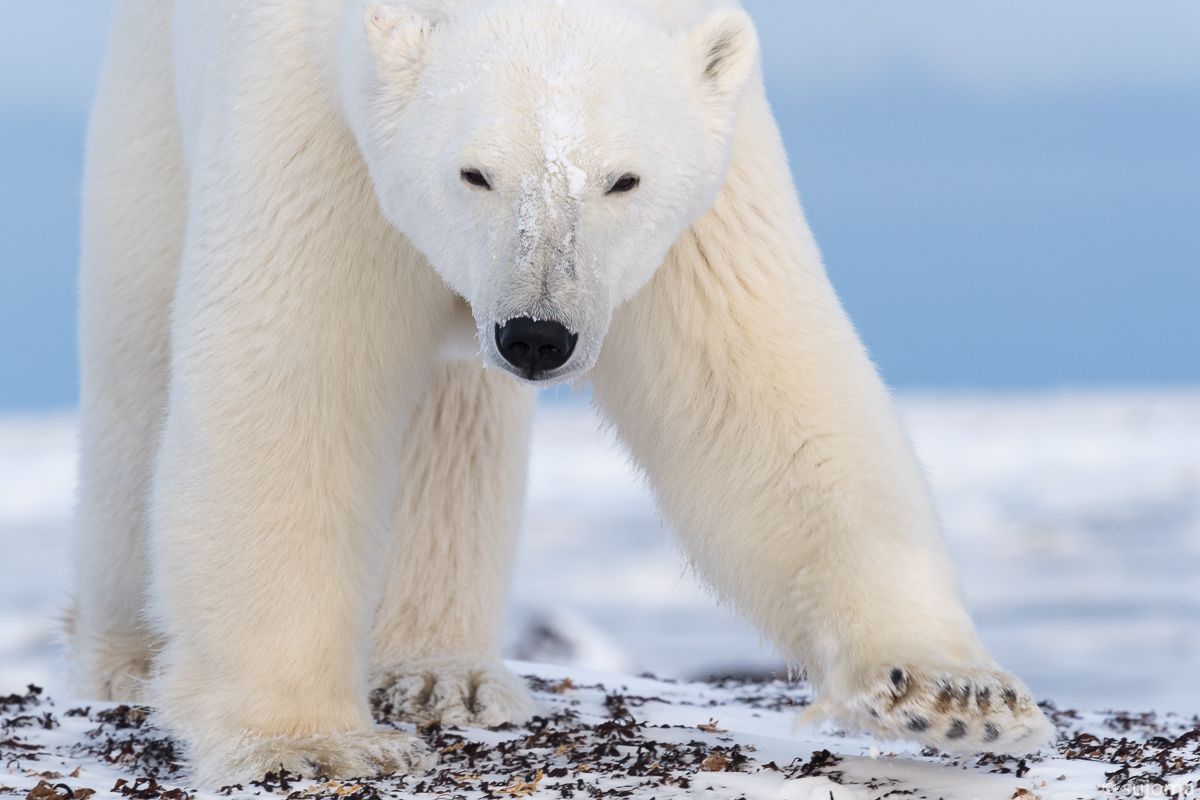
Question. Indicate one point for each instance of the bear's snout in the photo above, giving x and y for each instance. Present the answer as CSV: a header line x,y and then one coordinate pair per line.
x,y
535,347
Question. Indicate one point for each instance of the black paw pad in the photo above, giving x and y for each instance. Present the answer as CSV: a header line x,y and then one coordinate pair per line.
x,y
917,724
990,732
958,730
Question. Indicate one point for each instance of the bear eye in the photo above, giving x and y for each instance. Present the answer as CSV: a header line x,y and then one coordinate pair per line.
x,y
475,178
625,183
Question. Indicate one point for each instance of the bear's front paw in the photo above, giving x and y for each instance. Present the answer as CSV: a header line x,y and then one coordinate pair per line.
x,y
968,709
454,690
353,754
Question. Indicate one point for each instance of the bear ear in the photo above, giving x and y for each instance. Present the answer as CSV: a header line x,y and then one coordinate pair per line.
x,y
396,38
725,46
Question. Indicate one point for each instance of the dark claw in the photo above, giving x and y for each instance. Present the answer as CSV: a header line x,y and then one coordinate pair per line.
x,y
944,697
957,730
917,724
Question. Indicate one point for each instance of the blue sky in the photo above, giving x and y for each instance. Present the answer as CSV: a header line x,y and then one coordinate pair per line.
x,y
1007,194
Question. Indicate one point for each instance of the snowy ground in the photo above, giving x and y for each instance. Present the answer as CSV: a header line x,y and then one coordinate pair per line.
x,y
603,735
1074,519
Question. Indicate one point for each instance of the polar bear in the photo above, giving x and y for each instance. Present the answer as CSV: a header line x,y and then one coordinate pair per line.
x,y
330,251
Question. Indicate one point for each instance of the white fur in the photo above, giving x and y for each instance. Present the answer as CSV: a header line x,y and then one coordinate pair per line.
x,y
552,102
298,481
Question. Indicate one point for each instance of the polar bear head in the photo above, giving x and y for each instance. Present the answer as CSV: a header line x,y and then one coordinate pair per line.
x,y
544,155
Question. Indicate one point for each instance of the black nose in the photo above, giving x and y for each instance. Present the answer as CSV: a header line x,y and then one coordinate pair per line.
x,y
534,346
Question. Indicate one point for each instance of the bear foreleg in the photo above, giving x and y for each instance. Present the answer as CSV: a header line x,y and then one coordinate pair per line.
x,y
304,329
134,213
740,386
462,479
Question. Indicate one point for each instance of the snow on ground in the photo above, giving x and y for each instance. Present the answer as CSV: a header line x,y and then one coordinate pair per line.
x,y
37,487
1074,519
1076,522
602,735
